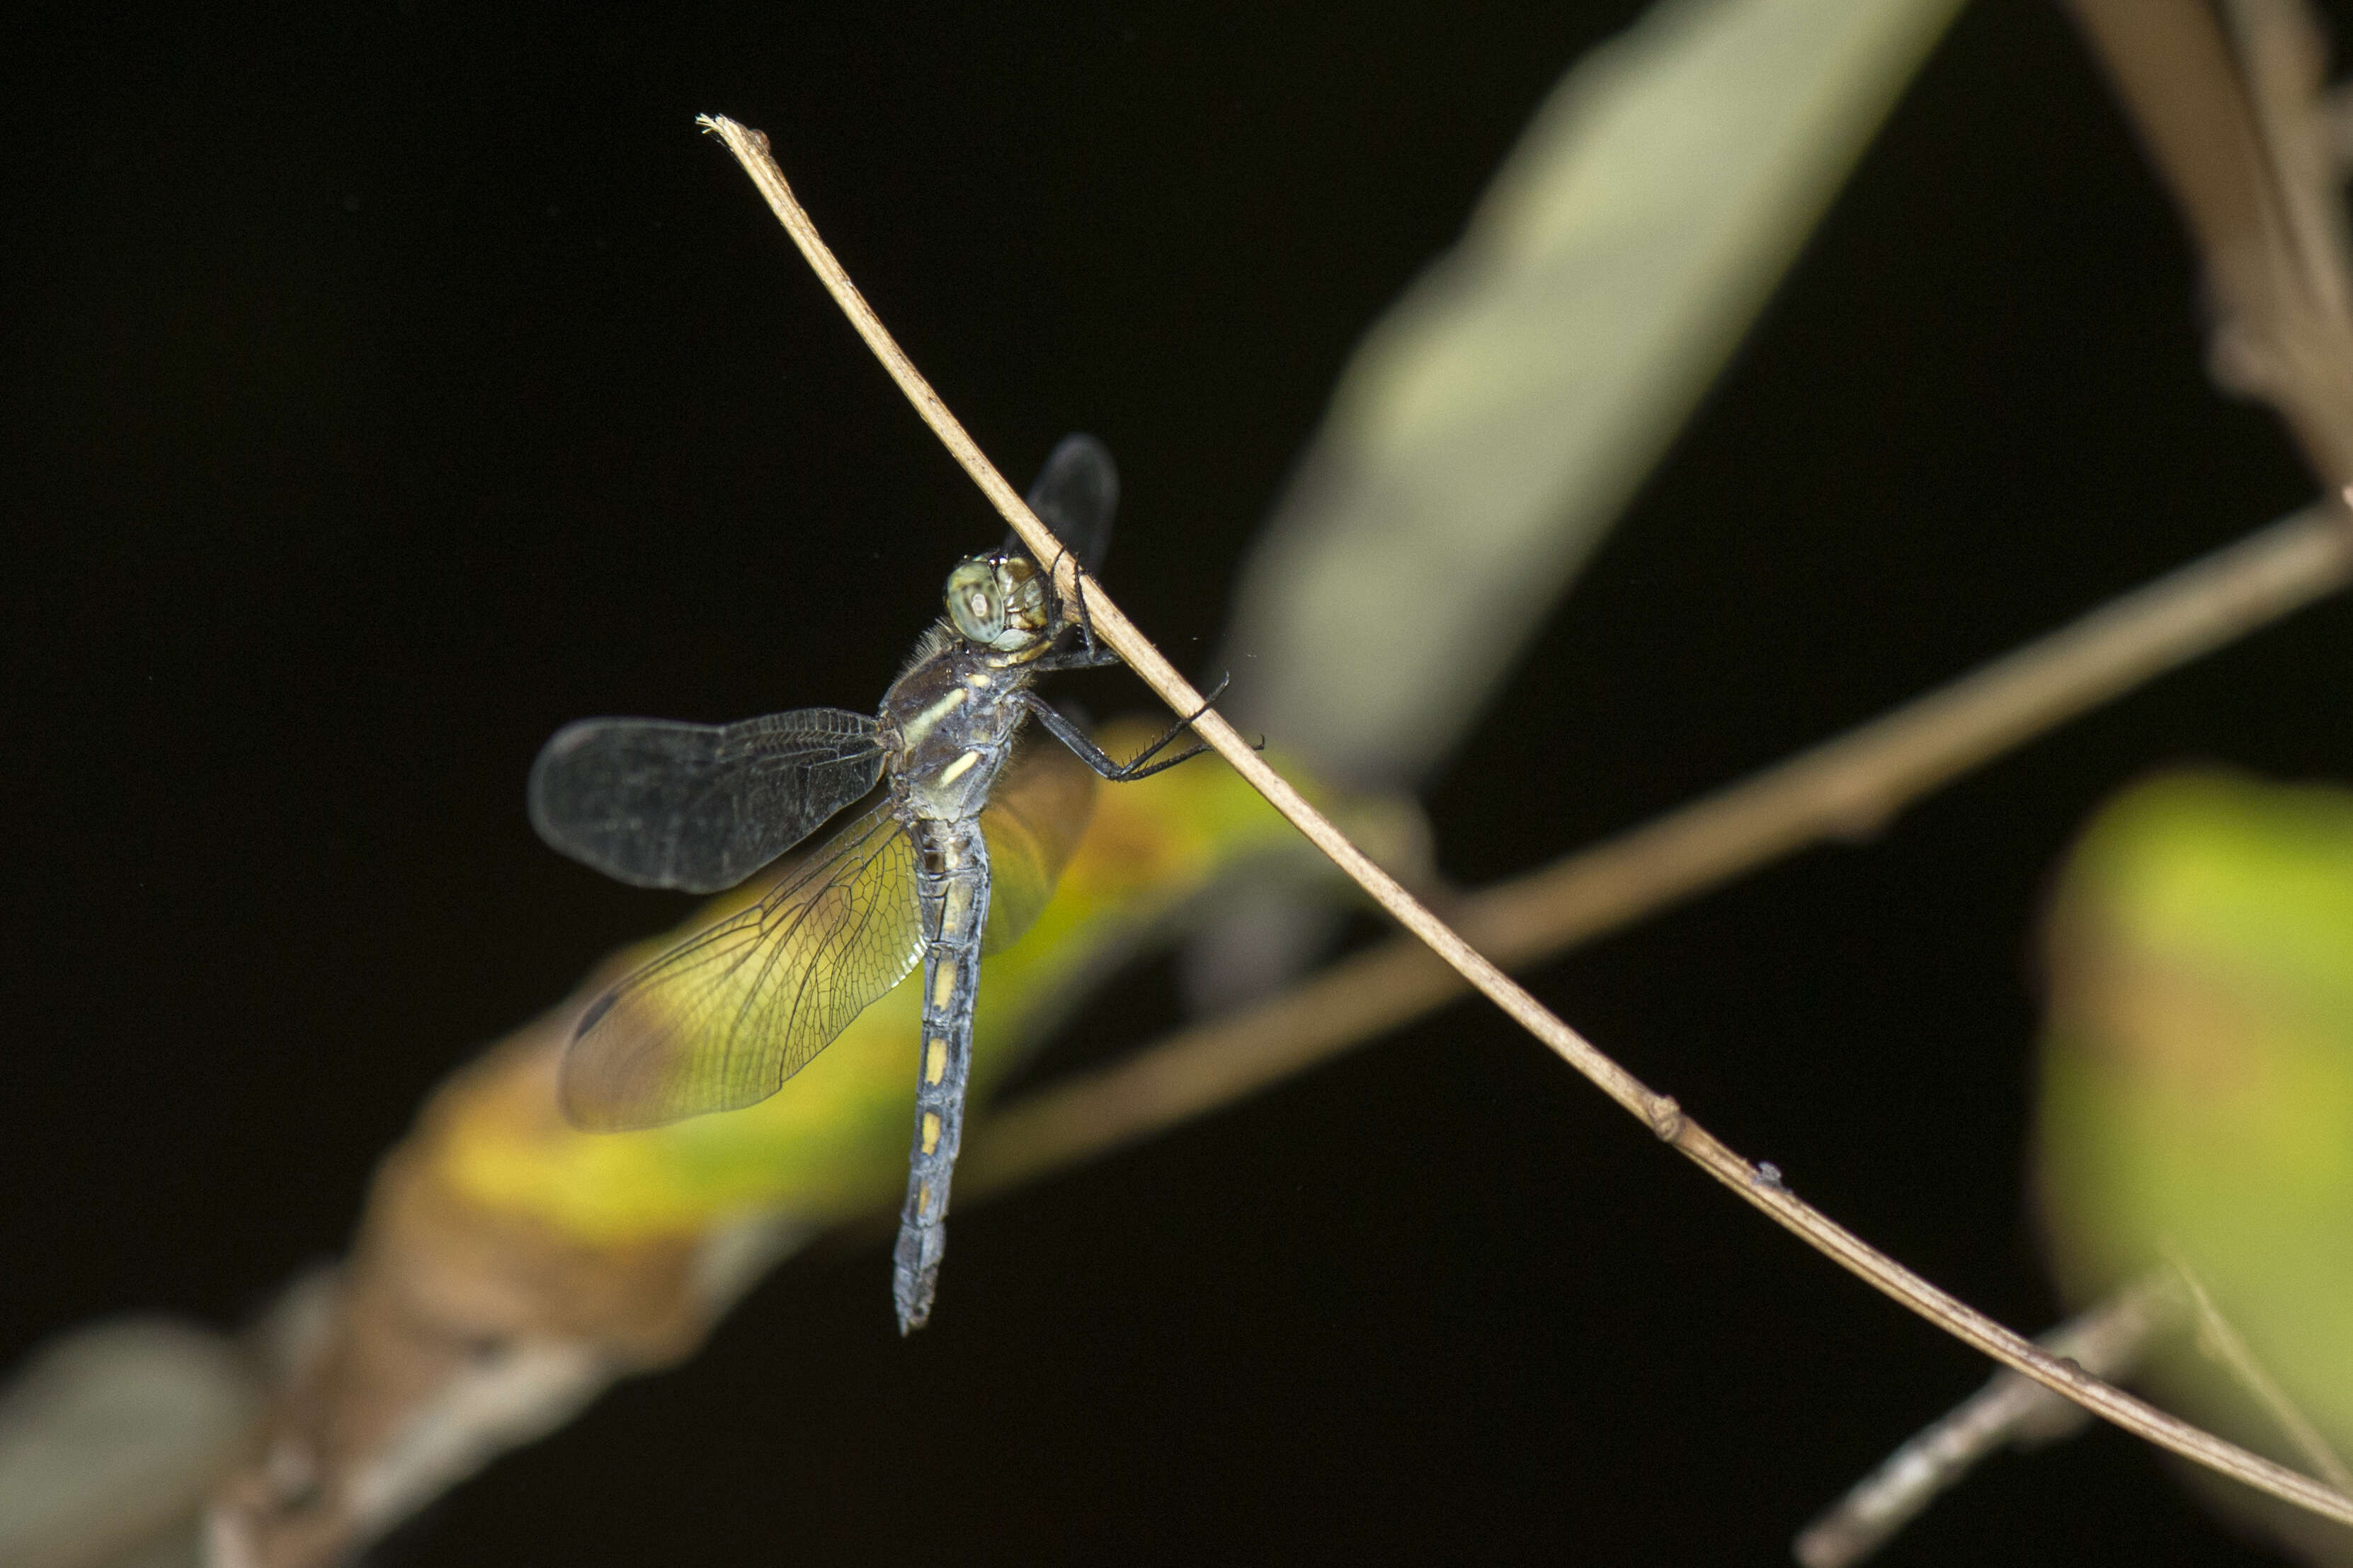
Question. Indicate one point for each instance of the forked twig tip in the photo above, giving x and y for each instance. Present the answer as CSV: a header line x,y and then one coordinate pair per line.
x,y
718,125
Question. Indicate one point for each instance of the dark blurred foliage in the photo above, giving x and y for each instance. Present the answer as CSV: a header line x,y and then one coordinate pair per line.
x,y
387,386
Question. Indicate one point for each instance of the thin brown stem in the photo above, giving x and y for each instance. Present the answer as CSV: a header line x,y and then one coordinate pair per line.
x,y
1759,1187
1856,781
2230,118
2109,1339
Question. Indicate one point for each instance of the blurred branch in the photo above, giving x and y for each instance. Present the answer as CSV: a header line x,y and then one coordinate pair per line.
x,y
2228,108
1847,787
2229,101
2108,1341
1760,1186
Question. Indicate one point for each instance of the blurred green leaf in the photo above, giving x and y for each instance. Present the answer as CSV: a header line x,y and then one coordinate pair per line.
x,y
1493,424
2197,1084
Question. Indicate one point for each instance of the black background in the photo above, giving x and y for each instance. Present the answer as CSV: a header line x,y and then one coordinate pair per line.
x,y
385,387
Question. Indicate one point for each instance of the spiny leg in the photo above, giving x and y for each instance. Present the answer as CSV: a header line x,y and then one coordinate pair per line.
x,y
1094,655
1095,757
1090,654
1076,658
1136,762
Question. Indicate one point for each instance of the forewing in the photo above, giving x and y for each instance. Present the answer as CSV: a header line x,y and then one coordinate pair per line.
x,y
698,807
1075,495
723,1019
1037,813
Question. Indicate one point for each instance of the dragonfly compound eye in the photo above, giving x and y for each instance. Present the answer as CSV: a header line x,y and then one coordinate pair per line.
x,y
974,603
999,602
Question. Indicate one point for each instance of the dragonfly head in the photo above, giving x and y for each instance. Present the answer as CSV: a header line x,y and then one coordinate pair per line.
x,y
1000,602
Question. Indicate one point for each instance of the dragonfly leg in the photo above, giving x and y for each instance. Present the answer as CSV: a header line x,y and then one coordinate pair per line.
x,y
1136,767
1078,592
1090,654
1076,658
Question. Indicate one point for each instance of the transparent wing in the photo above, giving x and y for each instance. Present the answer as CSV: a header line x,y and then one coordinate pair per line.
x,y
1075,495
698,807
723,1019
1035,817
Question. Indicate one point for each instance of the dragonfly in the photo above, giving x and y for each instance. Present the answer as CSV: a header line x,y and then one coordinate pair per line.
x,y
959,856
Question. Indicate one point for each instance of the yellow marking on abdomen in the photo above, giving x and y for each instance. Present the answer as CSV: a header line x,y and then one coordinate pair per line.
x,y
930,1131
924,1201
943,988
935,1061
956,912
961,766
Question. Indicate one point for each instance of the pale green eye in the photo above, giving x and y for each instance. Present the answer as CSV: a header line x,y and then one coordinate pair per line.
x,y
999,602
974,605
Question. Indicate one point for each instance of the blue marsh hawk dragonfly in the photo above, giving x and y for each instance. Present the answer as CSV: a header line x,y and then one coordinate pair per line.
x,y
936,872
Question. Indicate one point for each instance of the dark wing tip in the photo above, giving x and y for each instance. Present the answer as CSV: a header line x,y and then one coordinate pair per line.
x,y
596,1014
1076,494
601,1085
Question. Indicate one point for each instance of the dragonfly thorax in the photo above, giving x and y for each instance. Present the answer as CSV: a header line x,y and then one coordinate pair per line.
x,y
947,726
1001,602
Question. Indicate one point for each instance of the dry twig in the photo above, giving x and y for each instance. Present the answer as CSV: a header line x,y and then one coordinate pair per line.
x,y
1759,1185
2108,1340
2229,105
2242,139
1840,788
2111,1339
